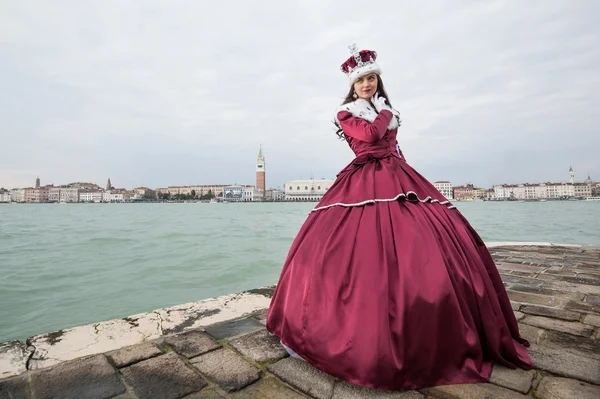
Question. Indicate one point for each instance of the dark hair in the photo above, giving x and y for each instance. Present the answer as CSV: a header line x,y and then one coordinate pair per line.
x,y
350,98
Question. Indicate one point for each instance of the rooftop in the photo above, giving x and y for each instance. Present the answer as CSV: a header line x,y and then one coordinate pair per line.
x,y
219,348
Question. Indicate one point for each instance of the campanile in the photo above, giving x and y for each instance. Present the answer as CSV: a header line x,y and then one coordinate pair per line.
x,y
260,172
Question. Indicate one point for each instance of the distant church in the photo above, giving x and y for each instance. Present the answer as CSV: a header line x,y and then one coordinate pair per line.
x,y
260,173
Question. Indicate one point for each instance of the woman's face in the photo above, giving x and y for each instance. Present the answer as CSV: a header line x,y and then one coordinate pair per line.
x,y
366,86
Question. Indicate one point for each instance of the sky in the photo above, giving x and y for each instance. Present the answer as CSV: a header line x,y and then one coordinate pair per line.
x,y
158,93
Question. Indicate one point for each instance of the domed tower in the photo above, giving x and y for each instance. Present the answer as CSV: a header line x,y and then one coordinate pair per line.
x,y
260,172
588,180
571,175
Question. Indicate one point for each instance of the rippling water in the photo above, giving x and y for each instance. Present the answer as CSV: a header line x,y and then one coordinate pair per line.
x,y
74,264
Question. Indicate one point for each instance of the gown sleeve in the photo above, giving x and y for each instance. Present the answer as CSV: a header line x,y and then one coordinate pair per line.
x,y
363,130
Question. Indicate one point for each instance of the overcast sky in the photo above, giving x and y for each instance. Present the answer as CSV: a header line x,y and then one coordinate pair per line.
x,y
157,93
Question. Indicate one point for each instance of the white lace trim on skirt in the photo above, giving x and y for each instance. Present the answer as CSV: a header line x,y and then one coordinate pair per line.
x,y
396,198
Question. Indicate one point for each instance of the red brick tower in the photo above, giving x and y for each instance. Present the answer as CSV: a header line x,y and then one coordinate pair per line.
x,y
260,173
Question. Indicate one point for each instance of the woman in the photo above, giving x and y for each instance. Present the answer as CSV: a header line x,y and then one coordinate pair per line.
x,y
387,285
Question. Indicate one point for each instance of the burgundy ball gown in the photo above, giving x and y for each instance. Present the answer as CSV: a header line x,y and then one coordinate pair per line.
x,y
386,284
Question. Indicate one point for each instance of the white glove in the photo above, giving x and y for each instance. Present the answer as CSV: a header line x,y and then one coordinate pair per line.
x,y
379,103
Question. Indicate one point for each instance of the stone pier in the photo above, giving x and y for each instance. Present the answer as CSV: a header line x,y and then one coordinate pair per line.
x,y
219,348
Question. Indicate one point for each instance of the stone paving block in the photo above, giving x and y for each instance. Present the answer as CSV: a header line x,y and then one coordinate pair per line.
x,y
91,378
562,363
551,312
592,320
233,328
583,307
268,388
532,334
15,388
548,282
519,267
533,298
570,327
260,346
206,393
587,280
162,377
575,296
515,305
132,354
586,347
226,368
519,380
558,388
472,391
305,377
519,315
191,343
593,299
514,279
345,390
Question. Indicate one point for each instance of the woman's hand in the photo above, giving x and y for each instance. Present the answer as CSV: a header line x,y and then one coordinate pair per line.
x,y
379,103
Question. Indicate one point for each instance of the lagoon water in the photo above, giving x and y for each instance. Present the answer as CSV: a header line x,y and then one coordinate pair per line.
x,y
73,264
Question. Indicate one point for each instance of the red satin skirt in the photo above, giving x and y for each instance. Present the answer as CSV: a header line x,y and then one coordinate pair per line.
x,y
388,286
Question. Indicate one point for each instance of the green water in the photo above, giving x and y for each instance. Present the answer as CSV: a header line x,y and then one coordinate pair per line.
x,y
73,264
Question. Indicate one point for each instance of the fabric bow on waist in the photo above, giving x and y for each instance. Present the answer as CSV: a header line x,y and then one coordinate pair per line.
x,y
370,157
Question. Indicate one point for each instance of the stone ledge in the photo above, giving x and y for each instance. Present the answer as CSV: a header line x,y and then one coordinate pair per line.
x,y
13,358
68,344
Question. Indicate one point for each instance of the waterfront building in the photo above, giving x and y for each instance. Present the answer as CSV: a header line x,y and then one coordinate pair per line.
x,y
202,189
253,194
4,195
582,190
306,190
17,195
445,188
90,196
117,195
63,194
463,193
275,195
479,193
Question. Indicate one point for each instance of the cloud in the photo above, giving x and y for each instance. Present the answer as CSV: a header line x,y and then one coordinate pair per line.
x,y
155,93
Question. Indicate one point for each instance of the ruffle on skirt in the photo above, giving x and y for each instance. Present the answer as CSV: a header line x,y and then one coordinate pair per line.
x,y
380,177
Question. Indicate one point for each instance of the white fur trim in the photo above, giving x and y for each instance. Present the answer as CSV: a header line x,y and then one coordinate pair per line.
x,y
363,109
396,198
363,70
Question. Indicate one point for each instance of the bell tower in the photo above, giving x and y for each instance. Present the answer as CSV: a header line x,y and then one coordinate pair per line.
x,y
260,172
571,175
